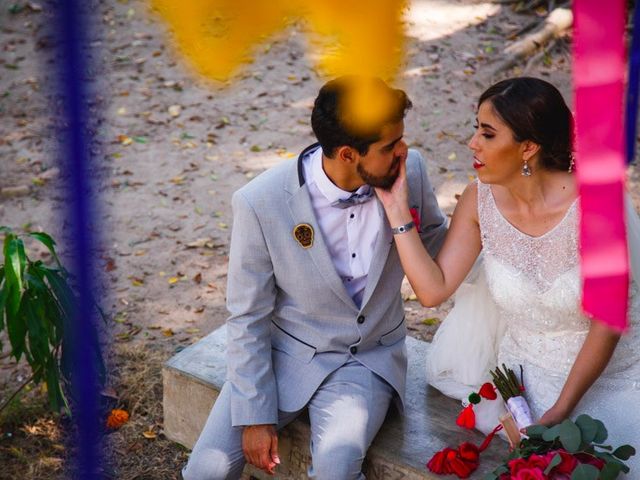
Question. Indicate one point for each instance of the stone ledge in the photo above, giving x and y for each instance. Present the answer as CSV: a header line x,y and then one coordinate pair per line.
x,y
193,378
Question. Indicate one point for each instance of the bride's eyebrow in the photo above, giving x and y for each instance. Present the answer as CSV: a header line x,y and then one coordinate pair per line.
x,y
487,126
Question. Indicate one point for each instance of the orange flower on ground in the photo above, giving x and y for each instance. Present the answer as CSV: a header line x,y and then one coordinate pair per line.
x,y
117,418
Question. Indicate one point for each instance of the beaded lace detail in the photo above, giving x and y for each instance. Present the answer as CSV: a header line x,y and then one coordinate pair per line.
x,y
535,283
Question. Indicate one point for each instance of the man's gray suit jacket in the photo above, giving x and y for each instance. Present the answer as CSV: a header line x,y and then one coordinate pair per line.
x,y
292,321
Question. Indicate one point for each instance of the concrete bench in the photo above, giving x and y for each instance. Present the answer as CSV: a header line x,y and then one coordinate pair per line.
x,y
193,378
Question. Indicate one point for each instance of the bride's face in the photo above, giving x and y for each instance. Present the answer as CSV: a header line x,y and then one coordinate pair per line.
x,y
497,156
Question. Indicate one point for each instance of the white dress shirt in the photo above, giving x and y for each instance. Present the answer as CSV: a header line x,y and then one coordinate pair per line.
x,y
349,233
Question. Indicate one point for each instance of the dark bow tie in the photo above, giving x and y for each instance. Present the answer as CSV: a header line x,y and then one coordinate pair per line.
x,y
355,199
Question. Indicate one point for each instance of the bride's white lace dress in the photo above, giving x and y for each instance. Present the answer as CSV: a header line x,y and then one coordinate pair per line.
x,y
521,306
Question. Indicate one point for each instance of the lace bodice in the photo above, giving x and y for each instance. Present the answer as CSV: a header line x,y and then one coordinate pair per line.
x,y
534,277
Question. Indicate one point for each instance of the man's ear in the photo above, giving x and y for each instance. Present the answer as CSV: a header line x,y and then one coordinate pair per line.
x,y
346,154
529,149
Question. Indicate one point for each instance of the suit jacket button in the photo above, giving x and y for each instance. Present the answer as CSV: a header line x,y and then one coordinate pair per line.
x,y
353,350
361,319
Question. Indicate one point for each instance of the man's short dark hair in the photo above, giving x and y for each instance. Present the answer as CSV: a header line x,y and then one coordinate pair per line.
x,y
332,118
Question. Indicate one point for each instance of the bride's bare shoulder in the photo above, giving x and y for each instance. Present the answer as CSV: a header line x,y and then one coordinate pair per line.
x,y
467,206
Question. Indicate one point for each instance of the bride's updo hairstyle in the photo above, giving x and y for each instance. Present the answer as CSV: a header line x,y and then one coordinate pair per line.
x,y
535,111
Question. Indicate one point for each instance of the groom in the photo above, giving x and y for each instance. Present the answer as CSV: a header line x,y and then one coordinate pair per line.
x,y
317,319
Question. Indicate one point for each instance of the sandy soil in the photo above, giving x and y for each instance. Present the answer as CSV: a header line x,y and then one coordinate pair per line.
x,y
174,148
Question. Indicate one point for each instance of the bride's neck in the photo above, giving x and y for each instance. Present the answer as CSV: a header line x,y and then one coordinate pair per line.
x,y
539,190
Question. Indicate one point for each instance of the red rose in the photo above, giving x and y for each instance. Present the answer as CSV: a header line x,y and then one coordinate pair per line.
x,y
534,461
415,216
488,391
467,417
567,464
530,474
516,465
537,461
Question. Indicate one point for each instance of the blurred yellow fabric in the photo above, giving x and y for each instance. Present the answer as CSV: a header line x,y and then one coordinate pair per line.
x,y
362,37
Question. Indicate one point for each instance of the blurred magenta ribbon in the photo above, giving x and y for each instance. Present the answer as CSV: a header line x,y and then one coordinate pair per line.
x,y
599,70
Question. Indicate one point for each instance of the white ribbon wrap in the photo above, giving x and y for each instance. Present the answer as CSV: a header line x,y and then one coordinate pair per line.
x,y
520,411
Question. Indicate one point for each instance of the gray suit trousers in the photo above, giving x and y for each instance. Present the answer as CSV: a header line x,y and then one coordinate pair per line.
x,y
345,414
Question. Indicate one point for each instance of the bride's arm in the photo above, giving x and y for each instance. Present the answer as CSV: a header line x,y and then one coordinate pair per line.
x,y
592,359
434,281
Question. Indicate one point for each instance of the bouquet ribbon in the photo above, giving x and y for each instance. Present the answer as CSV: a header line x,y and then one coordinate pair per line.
x,y
599,68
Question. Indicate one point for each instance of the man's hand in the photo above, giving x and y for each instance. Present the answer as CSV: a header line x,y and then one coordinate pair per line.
x,y
260,447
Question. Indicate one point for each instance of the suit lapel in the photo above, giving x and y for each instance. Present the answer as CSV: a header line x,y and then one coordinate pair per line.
x,y
383,245
302,212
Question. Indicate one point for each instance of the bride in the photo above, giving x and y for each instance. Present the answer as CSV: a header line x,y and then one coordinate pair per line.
x,y
520,305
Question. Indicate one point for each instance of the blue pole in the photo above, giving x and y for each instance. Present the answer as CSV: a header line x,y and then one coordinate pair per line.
x,y
631,111
75,160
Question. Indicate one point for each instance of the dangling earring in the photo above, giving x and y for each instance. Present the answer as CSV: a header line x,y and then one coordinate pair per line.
x,y
526,171
572,163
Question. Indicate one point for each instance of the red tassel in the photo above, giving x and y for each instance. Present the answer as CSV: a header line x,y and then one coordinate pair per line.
x,y
488,391
462,461
467,417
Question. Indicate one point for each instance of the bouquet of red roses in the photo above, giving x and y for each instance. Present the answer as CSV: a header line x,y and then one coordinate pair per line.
x,y
567,451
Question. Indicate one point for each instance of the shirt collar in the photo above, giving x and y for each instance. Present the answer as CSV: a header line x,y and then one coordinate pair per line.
x,y
328,189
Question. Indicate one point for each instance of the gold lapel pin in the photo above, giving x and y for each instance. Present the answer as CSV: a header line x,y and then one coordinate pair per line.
x,y
303,233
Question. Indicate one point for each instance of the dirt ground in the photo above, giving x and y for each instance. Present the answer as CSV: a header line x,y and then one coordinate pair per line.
x,y
174,148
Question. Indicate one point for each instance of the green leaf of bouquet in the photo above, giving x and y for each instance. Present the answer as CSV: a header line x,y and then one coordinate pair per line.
x,y
551,434
536,431
585,472
624,452
602,434
555,461
610,471
588,427
570,436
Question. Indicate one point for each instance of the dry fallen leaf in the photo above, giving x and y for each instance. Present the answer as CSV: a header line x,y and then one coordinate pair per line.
x,y
174,110
431,321
198,278
168,332
125,139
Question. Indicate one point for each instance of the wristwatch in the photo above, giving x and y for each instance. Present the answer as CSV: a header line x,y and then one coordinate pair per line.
x,y
403,228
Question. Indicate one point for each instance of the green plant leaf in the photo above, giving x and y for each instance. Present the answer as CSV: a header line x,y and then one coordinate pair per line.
x,y
570,436
17,331
48,242
53,386
555,461
602,434
13,274
588,427
624,452
585,472
4,292
63,293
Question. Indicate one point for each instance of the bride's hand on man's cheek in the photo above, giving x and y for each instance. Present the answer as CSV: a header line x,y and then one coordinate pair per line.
x,y
397,196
